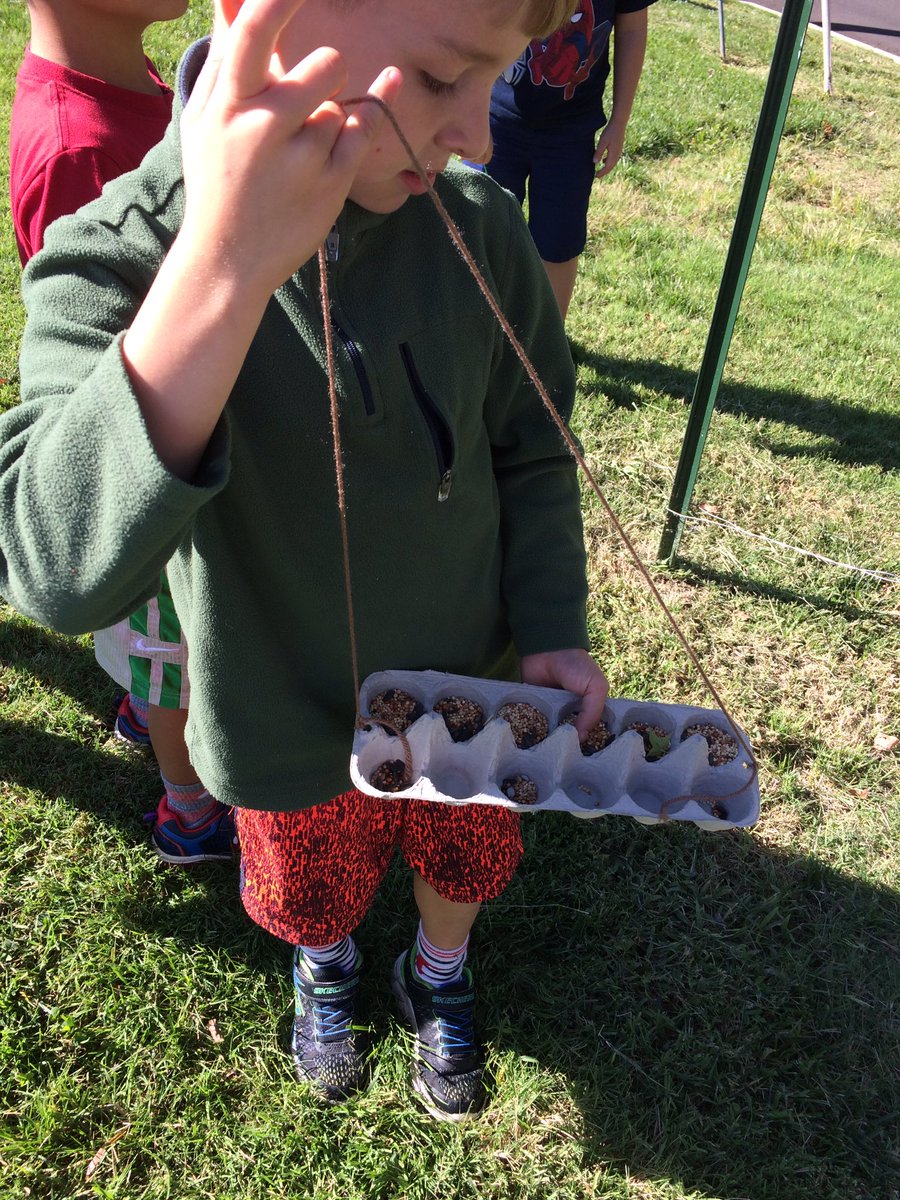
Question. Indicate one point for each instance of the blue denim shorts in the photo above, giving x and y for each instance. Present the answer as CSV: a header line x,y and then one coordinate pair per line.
x,y
556,167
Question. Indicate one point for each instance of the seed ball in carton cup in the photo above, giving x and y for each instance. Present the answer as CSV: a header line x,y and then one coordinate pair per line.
x,y
528,724
521,789
389,776
721,745
398,709
462,716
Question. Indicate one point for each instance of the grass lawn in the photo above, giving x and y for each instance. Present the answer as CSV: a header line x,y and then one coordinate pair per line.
x,y
670,1014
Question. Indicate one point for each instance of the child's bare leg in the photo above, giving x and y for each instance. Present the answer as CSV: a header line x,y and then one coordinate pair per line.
x,y
562,279
166,726
444,923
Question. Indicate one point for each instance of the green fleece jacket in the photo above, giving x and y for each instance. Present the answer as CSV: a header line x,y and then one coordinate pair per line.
x,y
465,533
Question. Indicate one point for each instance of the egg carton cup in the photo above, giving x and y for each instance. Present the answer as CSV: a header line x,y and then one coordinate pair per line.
x,y
615,781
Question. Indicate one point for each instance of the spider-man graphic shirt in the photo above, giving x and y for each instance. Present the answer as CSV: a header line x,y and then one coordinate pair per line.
x,y
563,76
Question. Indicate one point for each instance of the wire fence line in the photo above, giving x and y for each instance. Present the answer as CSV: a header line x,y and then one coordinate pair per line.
x,y
872,573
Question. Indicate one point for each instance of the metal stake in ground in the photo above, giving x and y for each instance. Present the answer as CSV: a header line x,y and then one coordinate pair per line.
x,y
776,99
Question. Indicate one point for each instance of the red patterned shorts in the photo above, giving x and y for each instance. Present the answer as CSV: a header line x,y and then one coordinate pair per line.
x,y
310,876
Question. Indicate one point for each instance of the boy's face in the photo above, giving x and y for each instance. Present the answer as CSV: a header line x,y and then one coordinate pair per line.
x,y
449,51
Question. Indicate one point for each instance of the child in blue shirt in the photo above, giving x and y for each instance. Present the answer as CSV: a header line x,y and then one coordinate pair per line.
x,y
546,110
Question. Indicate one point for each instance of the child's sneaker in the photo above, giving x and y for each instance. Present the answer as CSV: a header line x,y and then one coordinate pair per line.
x,y
449,1064
326,1042
213,841
128,727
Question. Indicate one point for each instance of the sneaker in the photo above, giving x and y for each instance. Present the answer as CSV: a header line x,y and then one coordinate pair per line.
x,y
212,841
449,1064
326,1043
128,727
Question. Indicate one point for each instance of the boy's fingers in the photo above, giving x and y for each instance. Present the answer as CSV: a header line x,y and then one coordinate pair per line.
x,y
367,118
592,705
251,43
313,81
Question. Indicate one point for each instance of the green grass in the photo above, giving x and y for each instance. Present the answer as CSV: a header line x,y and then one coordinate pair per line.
x,y
670,1015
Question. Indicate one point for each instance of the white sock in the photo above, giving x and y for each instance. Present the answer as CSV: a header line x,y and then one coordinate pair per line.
x,y
431,964
336,956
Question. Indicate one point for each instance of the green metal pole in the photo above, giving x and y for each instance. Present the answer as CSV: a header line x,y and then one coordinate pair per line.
x,y
782,73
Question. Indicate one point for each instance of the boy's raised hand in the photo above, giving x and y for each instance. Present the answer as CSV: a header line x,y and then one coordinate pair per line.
x,y
269,157
576,671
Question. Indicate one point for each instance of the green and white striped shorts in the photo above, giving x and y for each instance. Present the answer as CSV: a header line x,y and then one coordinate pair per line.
x,y
146,654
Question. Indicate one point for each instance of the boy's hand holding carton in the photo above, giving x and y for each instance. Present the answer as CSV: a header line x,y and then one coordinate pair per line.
x,y
575,671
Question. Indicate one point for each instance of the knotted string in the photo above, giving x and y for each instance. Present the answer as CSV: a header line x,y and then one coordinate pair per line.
x,y
711,802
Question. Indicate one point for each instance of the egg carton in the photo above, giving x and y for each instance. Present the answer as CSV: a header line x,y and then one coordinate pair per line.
x,y
617,780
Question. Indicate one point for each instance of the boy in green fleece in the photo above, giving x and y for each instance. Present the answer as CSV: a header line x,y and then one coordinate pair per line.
x,y
175,337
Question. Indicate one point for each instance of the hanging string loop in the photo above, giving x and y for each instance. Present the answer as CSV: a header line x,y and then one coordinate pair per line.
x,y
712,803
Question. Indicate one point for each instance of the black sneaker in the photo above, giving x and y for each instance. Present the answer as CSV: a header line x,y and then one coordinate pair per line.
x,y
449,1064
325,1043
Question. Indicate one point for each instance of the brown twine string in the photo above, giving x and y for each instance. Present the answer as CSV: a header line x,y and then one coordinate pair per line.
x,y
342,509
457,239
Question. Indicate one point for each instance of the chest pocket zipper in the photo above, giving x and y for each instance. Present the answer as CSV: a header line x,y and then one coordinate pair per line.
x,y
358,366
441,436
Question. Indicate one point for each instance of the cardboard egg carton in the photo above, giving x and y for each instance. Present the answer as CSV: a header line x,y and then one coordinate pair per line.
x,y
681,785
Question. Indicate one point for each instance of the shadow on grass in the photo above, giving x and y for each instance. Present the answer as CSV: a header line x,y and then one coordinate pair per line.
x,y
695,572
209,916
56,661
197,908
856,437
119,788
722,1014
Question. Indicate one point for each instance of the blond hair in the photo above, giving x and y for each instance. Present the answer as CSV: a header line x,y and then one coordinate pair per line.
x,y
543,17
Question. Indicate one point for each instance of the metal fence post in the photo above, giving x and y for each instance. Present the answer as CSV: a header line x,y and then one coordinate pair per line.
x,y
782,73
826,46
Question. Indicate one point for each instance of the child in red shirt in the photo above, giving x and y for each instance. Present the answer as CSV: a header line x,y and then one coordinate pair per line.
x,y
87,108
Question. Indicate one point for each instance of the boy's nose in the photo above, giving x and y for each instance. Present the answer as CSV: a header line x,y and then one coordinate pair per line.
x,y
469,135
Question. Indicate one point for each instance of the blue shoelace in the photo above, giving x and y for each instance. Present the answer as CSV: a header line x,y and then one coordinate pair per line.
x,y
456,1032
331,1019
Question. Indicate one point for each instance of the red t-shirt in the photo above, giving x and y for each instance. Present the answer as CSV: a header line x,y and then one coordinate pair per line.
x,y
70,134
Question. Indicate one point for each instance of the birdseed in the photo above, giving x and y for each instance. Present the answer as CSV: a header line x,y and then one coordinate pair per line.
x,y
389,776
597,739
521,789
463,717
397,707
722,746
528,724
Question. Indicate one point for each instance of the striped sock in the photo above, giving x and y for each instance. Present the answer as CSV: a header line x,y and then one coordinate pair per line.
x,y
191,802
435,966
337,956
131,721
